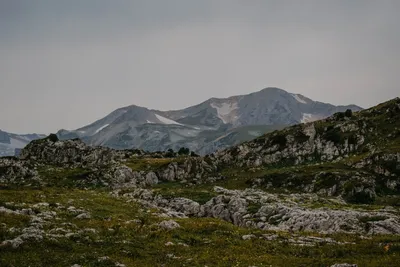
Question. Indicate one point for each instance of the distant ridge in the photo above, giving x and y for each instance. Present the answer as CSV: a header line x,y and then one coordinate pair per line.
x,y
204,128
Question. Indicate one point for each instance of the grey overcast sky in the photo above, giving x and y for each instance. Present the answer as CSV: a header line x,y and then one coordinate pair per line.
x,y
66,63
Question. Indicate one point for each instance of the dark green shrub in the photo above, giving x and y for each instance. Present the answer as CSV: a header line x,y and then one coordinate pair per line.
x,y
301,137
192,154
361,197
3,170
352,139
278,139
170,153
184,151
235,151
53,137
377,218
339,115
334,135
348,113
253,207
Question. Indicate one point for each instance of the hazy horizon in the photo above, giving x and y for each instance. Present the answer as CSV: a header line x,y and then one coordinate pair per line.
x,y
150,108
65,64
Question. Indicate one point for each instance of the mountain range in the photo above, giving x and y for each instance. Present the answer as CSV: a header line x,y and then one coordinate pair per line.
x,y
212,125
204,128
10,143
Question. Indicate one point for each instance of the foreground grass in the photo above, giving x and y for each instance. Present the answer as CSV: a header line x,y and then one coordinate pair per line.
x,y
199,241
151,164
198,193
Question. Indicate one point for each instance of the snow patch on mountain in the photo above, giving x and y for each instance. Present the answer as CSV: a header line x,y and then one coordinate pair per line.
x,y
165,120
297,97
101,128
225,110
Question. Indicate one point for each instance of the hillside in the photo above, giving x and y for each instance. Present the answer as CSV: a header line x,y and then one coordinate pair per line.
x,y
345,154
203,127
313,194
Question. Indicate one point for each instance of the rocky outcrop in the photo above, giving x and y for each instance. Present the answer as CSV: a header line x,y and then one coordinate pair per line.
x,y
331,139
360,152
34,232
14,171
169,225
381,163
98,166
193,169
106,166
70,153
296,145
189,170
280,215
257,209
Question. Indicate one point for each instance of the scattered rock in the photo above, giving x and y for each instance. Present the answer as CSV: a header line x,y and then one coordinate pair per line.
x,y
284,213
14,243
169,225
248,237
344,265
105,258
83,216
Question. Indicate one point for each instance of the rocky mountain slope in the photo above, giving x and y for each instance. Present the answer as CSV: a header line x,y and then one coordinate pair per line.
x,y
10,142
203,128
353,154
314,194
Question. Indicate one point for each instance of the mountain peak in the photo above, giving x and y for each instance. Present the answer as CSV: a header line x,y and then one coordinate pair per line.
x,y
272,89
206,127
